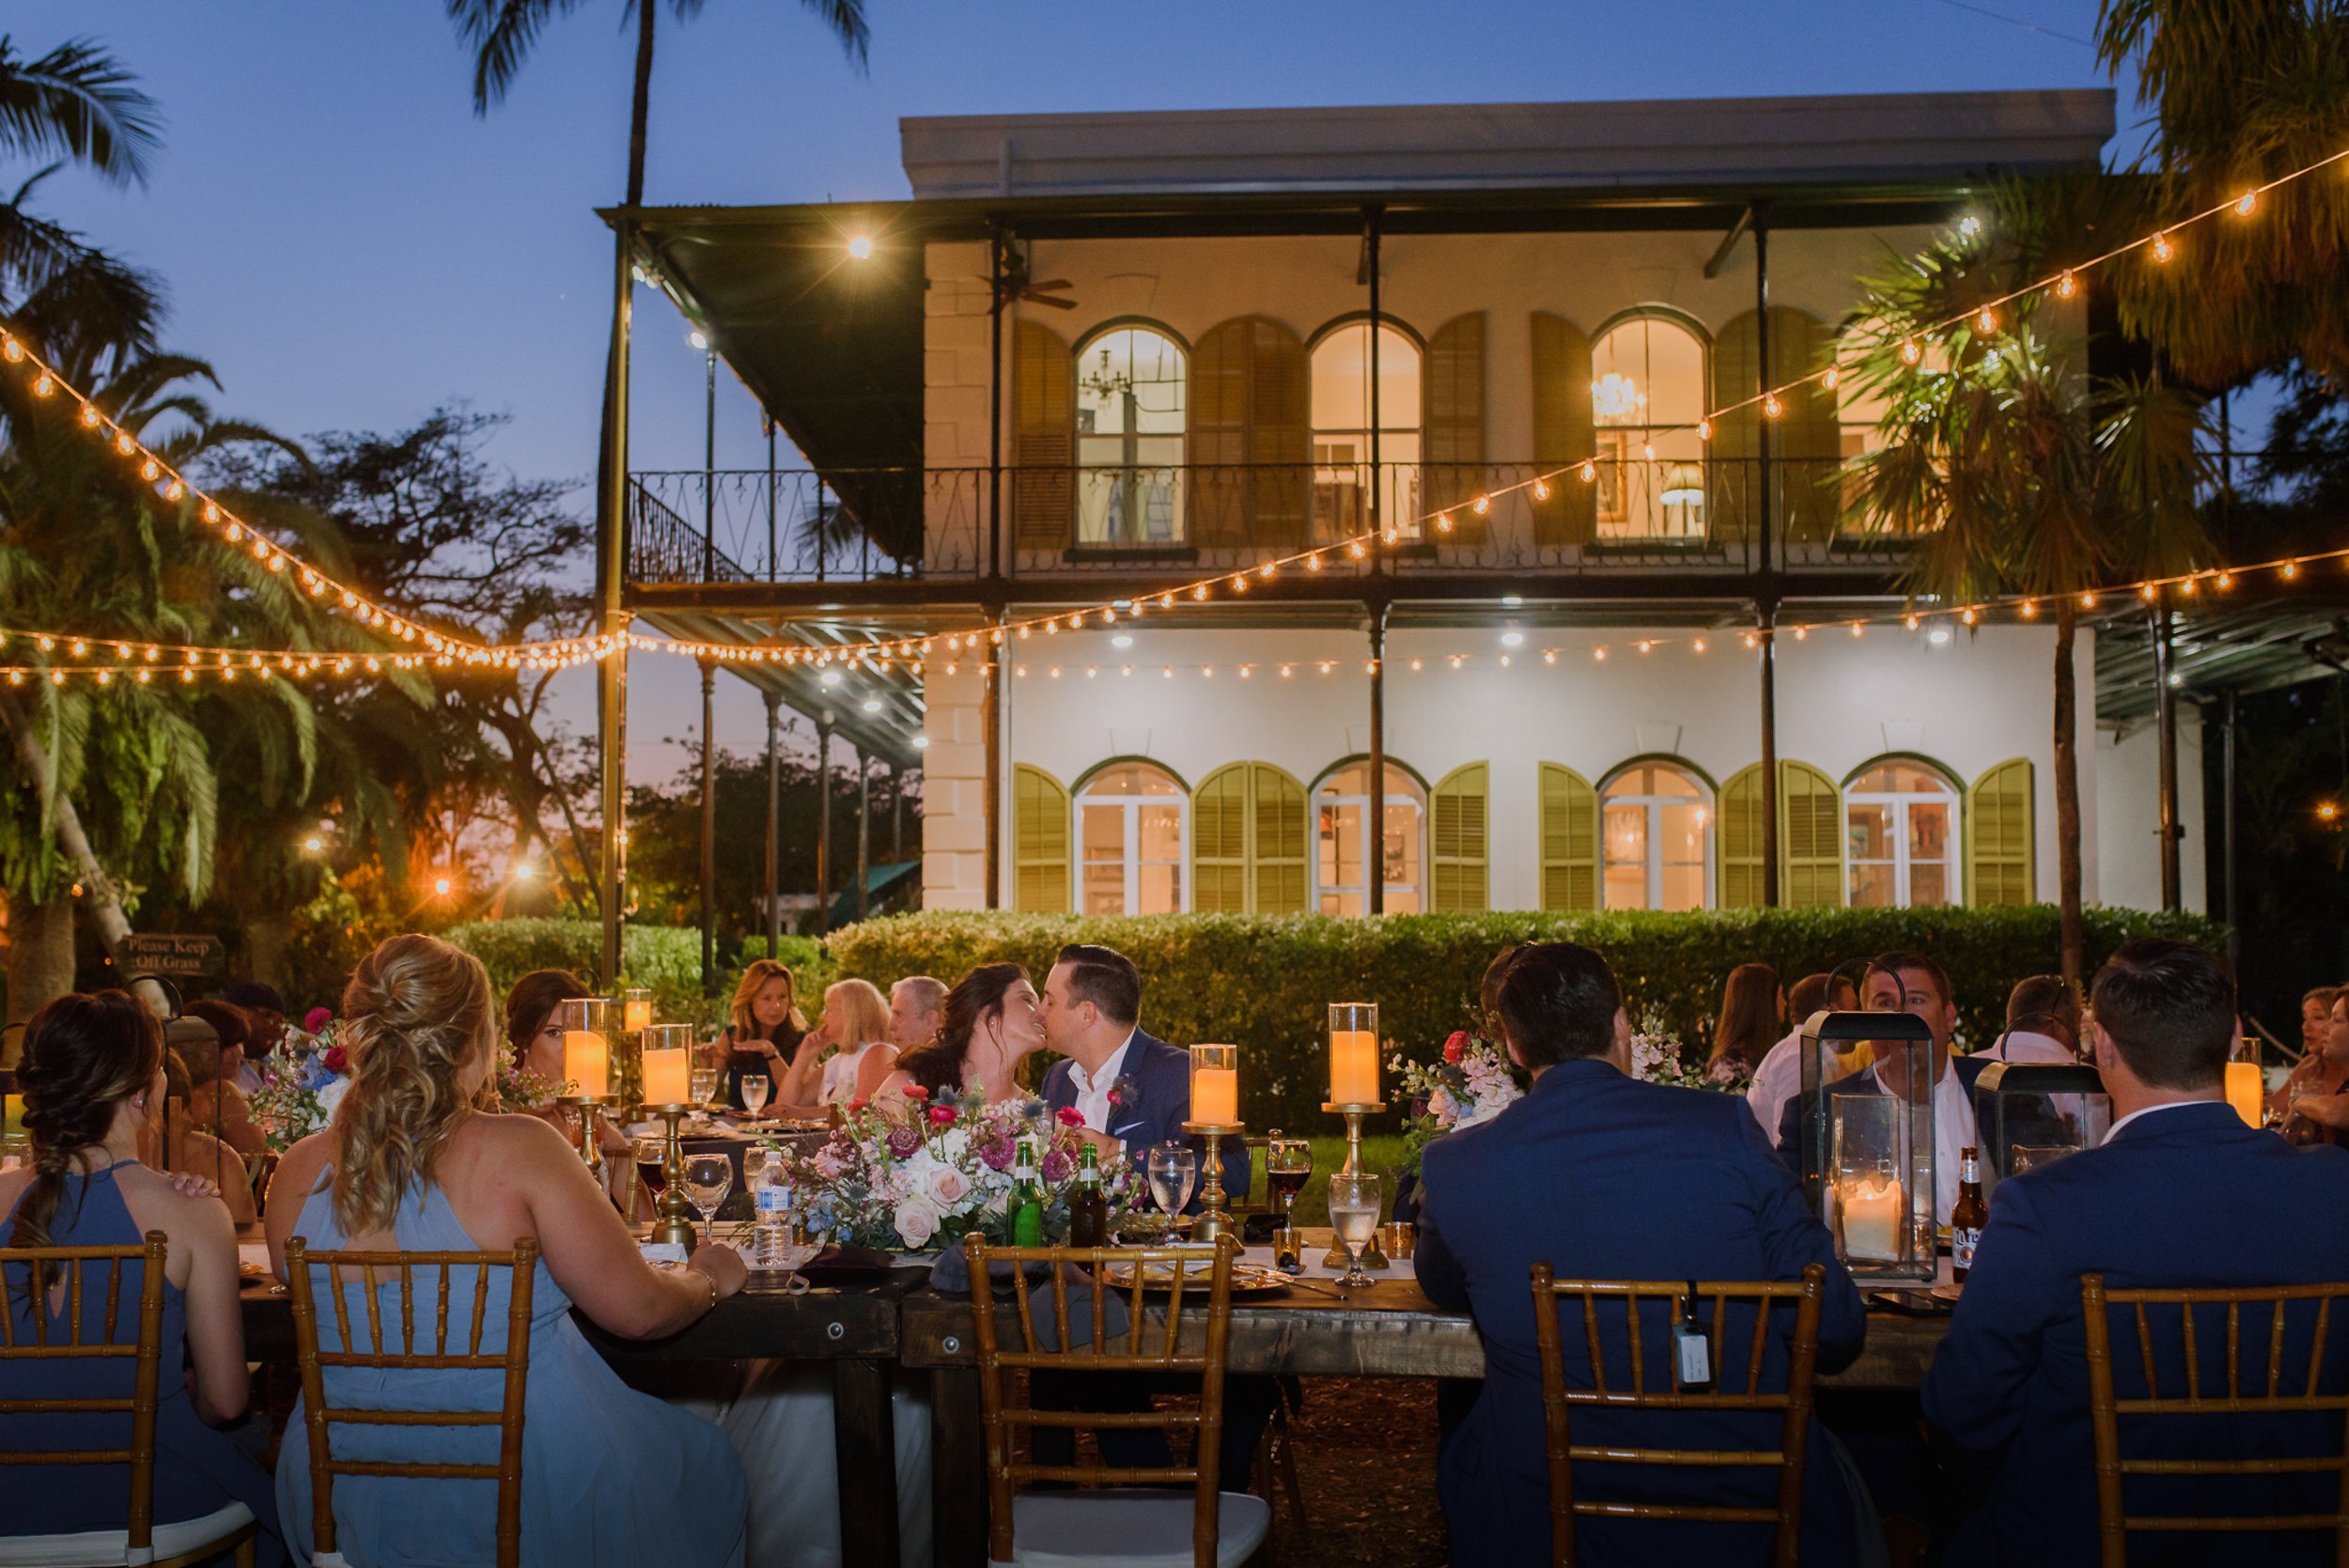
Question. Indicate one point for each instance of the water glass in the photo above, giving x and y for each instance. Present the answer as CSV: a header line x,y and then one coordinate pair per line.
x,y
1174,1169
705,1085
1354,1215
754,1089
708,1180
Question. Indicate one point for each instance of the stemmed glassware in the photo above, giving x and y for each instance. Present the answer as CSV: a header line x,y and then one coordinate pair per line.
x,y
1288,1163
708,1180
1354,1215
652,1173
704,1086
1174,1171
755,1088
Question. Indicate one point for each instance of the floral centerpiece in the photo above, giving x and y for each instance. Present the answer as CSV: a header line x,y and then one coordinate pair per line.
x,y
303,1079
923,1182
1658,1056
519,1089
1473,1081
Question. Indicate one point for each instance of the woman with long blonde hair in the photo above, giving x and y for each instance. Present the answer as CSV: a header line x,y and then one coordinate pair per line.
x,y
856,1027
766,1033
411,1163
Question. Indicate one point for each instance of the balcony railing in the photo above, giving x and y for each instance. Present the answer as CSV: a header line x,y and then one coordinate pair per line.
x,y
801,526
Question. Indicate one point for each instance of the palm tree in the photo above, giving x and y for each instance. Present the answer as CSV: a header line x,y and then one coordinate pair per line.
x,y
2013,469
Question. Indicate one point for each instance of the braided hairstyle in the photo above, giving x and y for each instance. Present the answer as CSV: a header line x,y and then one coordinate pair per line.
x,y
939,1065
416,1012
83,1056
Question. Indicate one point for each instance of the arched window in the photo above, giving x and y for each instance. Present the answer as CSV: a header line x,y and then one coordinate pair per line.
x,y
1900,822
1647,392
1343,849
1657,831
1131,389
1341,424
1133,837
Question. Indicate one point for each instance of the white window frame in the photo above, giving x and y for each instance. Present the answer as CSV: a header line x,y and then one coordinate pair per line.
x,y
1149,483
1130,851
1400,504
1704,802
1418,801
1953,865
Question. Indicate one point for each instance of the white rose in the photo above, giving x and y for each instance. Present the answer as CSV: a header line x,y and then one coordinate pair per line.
x,y
917,1221
947,1187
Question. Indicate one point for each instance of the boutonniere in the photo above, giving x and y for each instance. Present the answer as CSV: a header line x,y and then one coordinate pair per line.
x,y
1121,1091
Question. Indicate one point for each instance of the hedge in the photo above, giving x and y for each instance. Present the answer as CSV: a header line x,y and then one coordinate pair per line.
x,y
664,959
1265,982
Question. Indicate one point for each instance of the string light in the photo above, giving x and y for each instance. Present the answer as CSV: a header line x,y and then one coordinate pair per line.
x,y
2163,249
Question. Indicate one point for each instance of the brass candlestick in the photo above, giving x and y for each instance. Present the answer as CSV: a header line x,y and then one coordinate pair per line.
x,y
590,1147
673,1215
1372,1257
1214,1220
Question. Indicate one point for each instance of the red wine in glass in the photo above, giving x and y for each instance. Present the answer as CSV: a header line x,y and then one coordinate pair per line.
x,y
653,1175
1286,1185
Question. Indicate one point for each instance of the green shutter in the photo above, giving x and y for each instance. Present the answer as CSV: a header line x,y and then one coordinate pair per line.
x,y
1452,423
1458,806
1569,840
1810,838
1805,435
1043,440
1562,430
1040,835
1247,840
1999,845
1249,436
1740,837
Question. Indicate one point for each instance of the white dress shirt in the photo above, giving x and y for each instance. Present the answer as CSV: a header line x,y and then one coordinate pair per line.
x,y
1093,1089
1954,1132
2020,1046
1777,1079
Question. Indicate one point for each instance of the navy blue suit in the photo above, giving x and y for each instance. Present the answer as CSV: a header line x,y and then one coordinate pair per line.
x,y
2183,1196
1157,1107
1607,1178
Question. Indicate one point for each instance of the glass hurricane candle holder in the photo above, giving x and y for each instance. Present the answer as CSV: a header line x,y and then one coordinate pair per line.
x,y
1214,1116
1353,1054
668,1056
1867,1154
586,1026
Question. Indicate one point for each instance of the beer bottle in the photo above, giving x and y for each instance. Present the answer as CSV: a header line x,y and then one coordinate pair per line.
x,y
1027,1198
1089,1206
1968,1218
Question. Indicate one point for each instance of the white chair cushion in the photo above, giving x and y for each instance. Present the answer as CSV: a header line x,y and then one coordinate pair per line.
x,y
111,1549
1129,1529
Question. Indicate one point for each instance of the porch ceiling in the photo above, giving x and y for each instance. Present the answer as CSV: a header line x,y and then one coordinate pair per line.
x,y
2246,646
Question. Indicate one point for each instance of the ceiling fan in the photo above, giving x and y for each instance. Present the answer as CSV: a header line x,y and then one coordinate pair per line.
x,y
1012,283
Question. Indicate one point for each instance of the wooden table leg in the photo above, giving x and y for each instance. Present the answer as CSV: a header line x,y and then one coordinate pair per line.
x,y
864,1444
957,1469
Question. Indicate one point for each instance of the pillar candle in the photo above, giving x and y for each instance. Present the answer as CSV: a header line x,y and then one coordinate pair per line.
x,y
639,1018
665,1079
1873,1212
2244,1091
1353,1067
587,1063
1215,1095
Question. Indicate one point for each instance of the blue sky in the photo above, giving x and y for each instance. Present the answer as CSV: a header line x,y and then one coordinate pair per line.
x,y
351,246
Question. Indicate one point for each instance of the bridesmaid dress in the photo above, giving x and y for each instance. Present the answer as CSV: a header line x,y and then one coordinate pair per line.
x,y
198,1471
609,1475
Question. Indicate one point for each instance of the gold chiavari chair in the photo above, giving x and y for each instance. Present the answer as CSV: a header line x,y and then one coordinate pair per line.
x,y
141,1540
371,1270
2266,1394
1157,1288
1726,1393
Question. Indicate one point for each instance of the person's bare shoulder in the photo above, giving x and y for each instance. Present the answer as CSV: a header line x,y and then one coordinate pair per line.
x,y
158,1204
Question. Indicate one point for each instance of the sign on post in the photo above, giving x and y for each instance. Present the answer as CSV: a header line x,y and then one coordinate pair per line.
x,y
181,957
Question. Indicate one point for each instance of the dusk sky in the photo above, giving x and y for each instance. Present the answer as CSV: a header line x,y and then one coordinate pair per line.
x,y
351,246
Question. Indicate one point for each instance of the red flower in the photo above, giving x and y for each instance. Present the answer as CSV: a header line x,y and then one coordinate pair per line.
x,y
337,1059
1454,1045
1069,1116
915,1092
858,1104
942,1115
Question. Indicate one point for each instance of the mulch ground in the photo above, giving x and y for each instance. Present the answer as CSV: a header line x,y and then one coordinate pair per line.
x,y
1365,1452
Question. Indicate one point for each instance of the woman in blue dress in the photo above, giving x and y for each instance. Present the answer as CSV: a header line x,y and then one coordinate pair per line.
x,y
93,1081
609,1475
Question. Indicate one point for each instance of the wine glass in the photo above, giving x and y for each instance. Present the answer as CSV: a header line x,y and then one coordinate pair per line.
x,y
705,1085
708,1180
652,1171
1174,1171
1354,1215
1288,1164
755,1088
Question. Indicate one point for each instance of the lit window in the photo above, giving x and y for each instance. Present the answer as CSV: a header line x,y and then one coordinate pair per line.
x,y
1900,819
1342,426
1133,826
1131,391
1343,849
1657,831
1647,393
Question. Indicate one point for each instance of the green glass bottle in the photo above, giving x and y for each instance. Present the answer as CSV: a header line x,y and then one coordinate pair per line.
x,y
1089,1206
1027,1198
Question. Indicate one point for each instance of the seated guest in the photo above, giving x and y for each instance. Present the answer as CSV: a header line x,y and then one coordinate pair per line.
x,y
914,1003
856,1028
214,1102
185,1149
1777,1078
2043,1024
609,1475
2180,1193
533,1039
1605,1177
264,1008
765,1033
1753,1009
989,1025
1907,983
2316,1016
92,1074
2324,1072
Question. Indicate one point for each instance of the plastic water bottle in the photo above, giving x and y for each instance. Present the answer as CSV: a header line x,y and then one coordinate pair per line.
x,y
771,1192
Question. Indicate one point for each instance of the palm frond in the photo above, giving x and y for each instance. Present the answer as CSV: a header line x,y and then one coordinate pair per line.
x,y
79,102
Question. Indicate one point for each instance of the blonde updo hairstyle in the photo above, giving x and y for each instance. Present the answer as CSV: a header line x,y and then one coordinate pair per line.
x,y
416,1013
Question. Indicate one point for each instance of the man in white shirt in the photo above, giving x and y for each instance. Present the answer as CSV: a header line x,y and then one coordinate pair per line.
x,y
1778,1077
2043,1024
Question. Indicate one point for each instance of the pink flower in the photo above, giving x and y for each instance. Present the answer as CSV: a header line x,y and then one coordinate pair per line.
x,y
829,1163
947,1187
1058,1167
942,1115
1069,1116
1453,1047
917,1220
336,1059
317,1018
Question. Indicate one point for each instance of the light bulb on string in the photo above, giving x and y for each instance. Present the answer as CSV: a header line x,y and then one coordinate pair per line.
x,y
2246,204
1986,321
2163,249
2066,286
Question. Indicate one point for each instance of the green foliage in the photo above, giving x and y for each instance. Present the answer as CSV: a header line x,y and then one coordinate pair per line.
x,y
664,959
1265,982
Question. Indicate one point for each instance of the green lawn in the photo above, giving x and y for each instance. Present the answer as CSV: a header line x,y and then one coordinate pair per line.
x,y
1381,1154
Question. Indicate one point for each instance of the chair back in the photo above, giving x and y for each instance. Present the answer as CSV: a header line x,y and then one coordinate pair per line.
x,y
2258,1383
1158,1288
26,1265
1771,1302
436,1272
